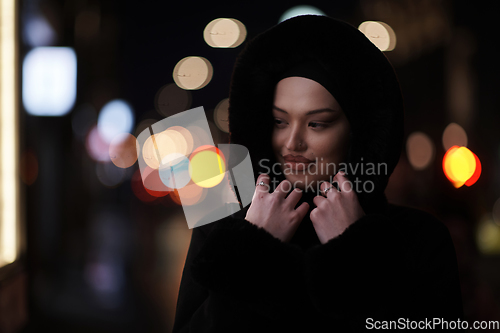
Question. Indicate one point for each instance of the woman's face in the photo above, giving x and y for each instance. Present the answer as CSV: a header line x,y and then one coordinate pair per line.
x,y
311,132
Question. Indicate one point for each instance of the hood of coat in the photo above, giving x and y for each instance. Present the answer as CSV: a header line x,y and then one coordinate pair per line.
x,y
367,89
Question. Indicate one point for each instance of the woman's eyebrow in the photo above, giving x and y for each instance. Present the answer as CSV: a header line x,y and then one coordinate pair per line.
x,y
309,112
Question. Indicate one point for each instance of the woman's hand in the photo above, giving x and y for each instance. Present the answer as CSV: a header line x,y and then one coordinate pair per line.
x,y
337,211
275,213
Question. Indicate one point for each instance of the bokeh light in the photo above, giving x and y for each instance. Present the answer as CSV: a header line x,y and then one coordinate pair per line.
x,y
123,150
454,135
180,144
420,150
139,189
380,34
187,138
207,166
49,81
477,172
224,33
174,172
37,31
488,236
300,10
461,165
97,147
171,99
192,73
151,150
158,146
116,117
221,114
153,183
188,195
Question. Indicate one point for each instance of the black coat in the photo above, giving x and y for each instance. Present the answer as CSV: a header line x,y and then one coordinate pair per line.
x,y
239,278
395,262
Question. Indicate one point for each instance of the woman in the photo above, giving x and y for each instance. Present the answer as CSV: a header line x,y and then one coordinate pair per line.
x,y
317,250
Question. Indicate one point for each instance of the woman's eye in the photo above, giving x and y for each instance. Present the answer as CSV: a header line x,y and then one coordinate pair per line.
x,y
278,122
317,125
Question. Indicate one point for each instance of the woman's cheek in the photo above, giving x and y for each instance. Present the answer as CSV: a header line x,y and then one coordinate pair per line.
x,y
275,144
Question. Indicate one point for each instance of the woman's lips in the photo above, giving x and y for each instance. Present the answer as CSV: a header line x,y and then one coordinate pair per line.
x,y
297,162
298,158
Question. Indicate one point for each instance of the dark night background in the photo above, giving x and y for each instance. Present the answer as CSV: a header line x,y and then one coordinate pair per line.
x,y
99,259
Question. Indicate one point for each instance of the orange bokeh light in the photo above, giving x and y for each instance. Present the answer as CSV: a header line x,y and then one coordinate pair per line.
x,y
139,189
461,166
152,183
188,195
476,174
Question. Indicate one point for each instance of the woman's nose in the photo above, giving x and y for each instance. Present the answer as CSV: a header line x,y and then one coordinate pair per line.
x,y
295,141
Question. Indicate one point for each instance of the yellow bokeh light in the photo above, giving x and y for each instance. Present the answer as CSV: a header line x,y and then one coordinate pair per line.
x,y
380,34
459,165
224,33
192,73
207,168
488,236
462,164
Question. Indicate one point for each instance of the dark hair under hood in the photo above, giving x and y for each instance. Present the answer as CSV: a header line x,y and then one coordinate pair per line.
x,y
367,89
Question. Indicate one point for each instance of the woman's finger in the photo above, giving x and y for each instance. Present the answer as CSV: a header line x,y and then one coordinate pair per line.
x,y
262,185
329,188
324,185
283,188
318,199
345,184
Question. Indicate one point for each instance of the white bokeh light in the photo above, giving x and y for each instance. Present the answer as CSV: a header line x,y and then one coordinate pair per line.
x,y
116,117
300,10
49,81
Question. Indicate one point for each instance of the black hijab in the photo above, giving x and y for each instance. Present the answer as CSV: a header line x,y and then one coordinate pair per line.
x,y
348,65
